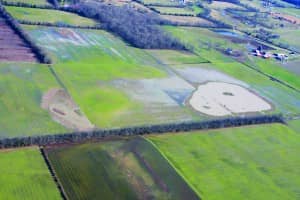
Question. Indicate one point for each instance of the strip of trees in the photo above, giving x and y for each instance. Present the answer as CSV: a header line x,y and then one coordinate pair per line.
x,y
139,130
59,25
39,53
137,28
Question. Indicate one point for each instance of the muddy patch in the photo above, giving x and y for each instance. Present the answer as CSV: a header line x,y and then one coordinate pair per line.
x,y
221,99
62,109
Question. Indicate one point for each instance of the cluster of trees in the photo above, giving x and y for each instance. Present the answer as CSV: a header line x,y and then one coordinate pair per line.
x,y
39,53
137,28
58,24
141,130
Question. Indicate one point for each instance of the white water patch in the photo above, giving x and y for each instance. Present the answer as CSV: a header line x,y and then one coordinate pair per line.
x,y
202,75
220,99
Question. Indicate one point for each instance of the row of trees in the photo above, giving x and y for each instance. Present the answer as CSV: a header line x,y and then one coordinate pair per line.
x,y
58,24
140,130
137,28
39,53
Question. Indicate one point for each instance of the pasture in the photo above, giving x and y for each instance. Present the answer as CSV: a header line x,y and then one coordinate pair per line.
x,y
21,87
24,175
257,162
189,20
124,168
34,2
120,85
50,16
179,11
295,125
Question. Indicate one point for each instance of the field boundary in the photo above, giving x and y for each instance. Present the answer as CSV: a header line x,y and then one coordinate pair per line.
x,y
173,166
58,25
77,137
53,174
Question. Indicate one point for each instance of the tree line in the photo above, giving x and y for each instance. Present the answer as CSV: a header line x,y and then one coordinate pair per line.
x,y
39,53
59,25
137,28
139,130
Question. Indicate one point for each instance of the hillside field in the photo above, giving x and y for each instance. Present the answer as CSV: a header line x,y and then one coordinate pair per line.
x,y
34,2
24,175
257,162
125,169
47,15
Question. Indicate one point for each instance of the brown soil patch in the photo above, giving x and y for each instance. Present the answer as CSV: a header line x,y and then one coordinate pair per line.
x,y
64,110
12,47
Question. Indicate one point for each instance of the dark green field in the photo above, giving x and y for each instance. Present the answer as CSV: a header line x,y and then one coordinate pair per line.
x,y
117,169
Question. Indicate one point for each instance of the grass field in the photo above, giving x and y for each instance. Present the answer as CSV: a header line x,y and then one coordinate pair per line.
x,y
119,85
287,103
21,87
51,16
125,169
24,175
179,11
34,2
171,57
295,125
257,162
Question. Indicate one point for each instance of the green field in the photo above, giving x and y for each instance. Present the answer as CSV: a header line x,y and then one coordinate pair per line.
x,y
21,87
34,2
24,175
295,125
50,16
257,162
125,169
179,11
289,101
101,72
171,57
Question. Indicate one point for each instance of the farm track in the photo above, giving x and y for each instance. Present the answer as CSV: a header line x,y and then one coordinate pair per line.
x,y
12,47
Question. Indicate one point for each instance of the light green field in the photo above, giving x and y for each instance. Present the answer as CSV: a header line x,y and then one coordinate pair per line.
x,y
51,16
25,176
290,37
289,99
34,2
162,2
295,125
124,169
21,87
171,57
257,162
173,10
